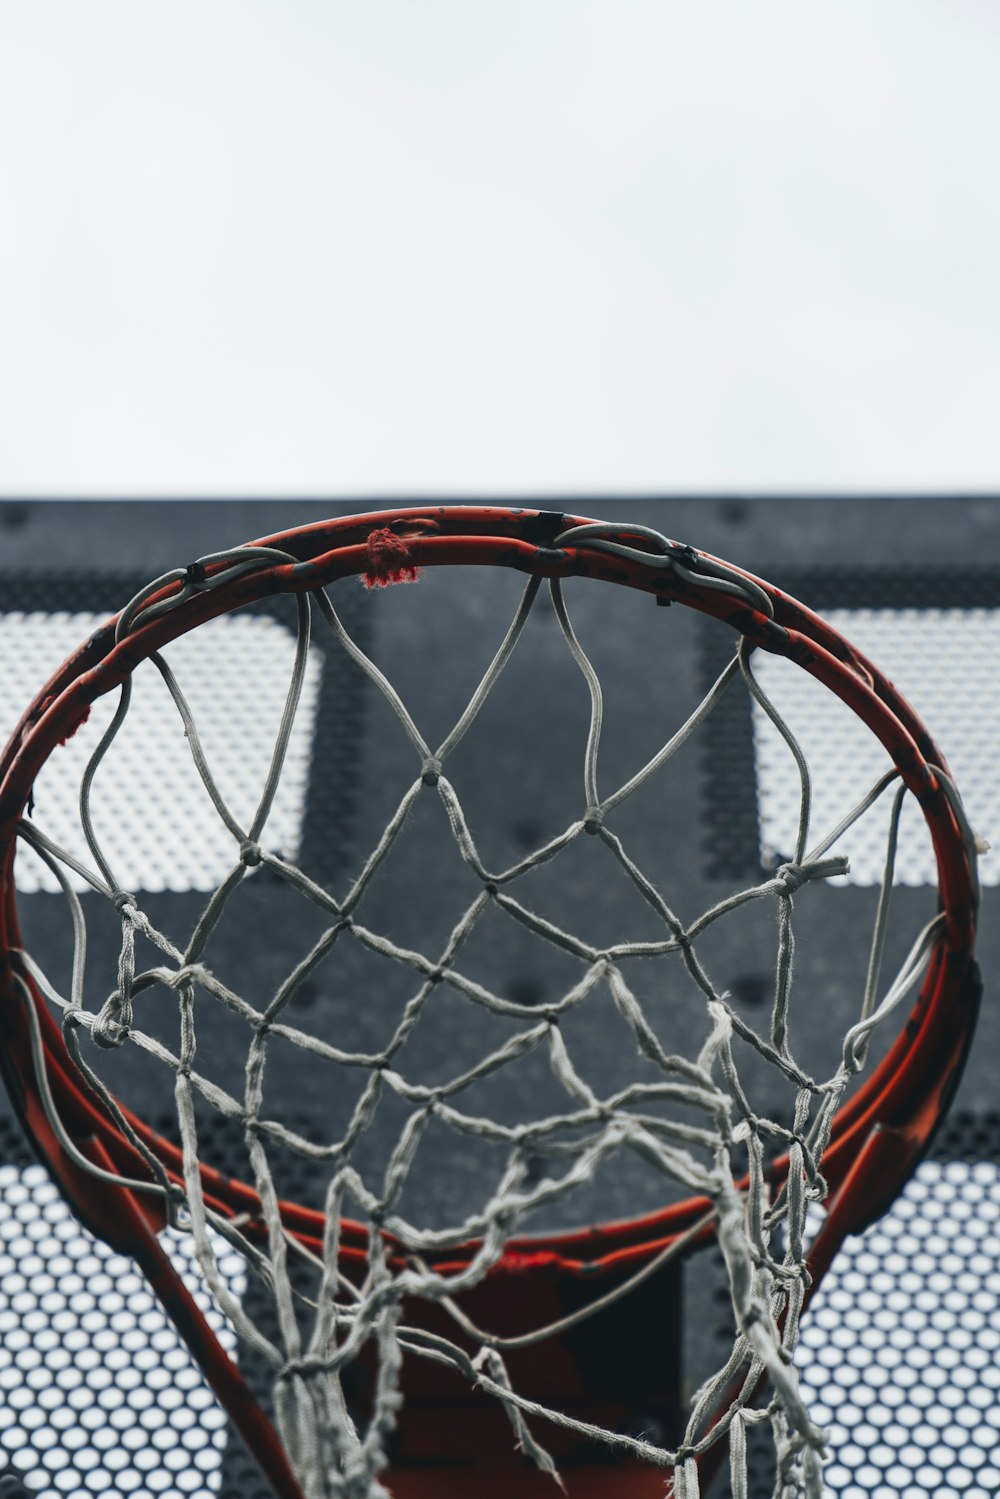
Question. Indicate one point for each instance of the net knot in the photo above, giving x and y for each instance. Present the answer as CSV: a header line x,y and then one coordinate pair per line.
x,y
175,1203
430,771
593,820
111,1027
123,900
301,1368
250,853
792,876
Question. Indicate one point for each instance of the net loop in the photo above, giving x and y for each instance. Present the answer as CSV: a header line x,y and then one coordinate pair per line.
x,y
680,558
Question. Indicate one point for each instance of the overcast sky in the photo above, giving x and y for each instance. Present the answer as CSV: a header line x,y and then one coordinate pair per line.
x,y
456,247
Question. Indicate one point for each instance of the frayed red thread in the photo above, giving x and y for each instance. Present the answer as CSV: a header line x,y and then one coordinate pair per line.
x,y
388,561
520,1260
78,725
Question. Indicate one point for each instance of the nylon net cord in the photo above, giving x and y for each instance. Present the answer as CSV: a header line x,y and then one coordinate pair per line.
x,y
762,1240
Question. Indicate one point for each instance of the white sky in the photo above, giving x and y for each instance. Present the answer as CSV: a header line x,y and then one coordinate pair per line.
x,y
489,247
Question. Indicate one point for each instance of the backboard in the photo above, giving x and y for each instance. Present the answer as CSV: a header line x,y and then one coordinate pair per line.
x,y
898,1349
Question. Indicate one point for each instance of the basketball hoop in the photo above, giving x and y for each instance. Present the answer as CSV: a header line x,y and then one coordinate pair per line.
x,y
414,1358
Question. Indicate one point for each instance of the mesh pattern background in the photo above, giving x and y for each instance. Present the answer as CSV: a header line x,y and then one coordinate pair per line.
x,y
936,634
98,1394
900,1352
920,650
35,639
900,1355
861,1447
761,1285
163,795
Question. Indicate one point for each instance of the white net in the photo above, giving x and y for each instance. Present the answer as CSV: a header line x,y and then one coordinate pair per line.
x,y
689,1117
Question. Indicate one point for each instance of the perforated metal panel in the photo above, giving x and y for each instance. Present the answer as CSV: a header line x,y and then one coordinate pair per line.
x,y
936,633
938,659
234,674
900,1352
35,639
98,1395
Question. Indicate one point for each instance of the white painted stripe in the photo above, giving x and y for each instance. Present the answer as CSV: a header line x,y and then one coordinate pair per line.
x,y
154,820
945,662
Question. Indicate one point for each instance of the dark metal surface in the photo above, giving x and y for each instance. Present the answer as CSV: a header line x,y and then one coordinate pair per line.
x,y
830,552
